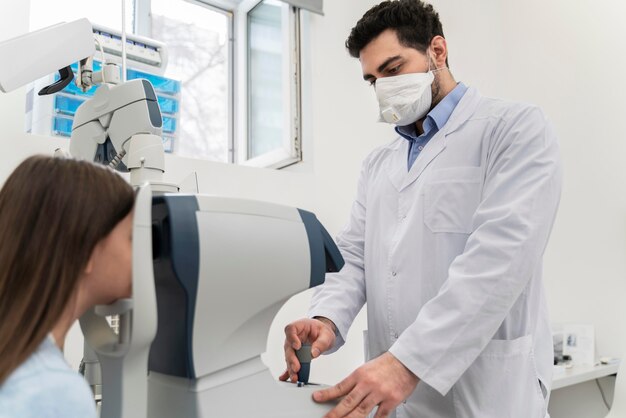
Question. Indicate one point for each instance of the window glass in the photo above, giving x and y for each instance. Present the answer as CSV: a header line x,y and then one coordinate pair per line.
x,y
266,78
197,39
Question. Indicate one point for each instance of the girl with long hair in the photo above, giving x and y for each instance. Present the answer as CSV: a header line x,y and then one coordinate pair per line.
x,y
65,246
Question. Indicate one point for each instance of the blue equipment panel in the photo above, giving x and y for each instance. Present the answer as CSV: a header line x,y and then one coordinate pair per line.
x,y
62,126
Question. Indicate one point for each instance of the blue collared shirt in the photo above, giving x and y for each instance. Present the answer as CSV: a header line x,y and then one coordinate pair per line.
x,y
435,120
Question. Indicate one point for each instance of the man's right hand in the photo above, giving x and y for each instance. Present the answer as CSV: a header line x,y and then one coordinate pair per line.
x,y
319,332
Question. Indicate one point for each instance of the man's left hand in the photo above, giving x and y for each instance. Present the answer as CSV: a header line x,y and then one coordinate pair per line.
x,y
383,381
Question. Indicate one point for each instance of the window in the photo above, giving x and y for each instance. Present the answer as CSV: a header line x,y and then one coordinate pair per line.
x,y
260,124
272,133
236,63
265,78
199,55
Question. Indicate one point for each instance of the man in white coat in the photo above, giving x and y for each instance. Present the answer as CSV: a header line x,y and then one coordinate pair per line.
x,y
445,241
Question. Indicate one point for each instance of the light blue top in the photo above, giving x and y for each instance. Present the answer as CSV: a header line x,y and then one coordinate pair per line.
x,y
44,386
435,119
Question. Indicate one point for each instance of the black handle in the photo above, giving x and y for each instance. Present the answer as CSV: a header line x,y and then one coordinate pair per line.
x,y
66,74
304,357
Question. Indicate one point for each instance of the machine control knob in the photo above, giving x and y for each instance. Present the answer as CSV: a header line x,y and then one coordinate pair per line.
x,y
304,357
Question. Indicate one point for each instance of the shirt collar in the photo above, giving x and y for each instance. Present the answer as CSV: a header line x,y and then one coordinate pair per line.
x,y
438,116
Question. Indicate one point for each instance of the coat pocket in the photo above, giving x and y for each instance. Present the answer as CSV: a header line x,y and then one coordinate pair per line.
x,y
501,383
451,196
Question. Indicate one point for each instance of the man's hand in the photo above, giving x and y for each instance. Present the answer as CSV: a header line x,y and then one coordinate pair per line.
x,y
320,333
383,381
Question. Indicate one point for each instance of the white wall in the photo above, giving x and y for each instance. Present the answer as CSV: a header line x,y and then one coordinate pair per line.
x,y
562,55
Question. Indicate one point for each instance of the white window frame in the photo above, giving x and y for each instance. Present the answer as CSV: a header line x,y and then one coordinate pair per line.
x,y
291,150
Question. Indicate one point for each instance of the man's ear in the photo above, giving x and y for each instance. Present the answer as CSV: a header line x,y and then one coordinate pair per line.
x,y
439,51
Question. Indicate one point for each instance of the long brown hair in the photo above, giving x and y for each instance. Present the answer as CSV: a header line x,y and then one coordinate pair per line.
x,y
53,212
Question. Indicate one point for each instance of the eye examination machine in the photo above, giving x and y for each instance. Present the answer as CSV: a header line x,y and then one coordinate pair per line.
x,y
209,272
209,275
223,268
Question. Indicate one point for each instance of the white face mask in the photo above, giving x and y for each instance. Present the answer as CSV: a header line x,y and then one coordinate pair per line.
x,y
405,98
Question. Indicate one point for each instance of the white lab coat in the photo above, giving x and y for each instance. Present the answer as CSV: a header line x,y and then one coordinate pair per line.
x,y
448,258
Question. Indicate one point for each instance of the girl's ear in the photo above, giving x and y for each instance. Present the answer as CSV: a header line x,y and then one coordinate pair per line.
x,y
90,264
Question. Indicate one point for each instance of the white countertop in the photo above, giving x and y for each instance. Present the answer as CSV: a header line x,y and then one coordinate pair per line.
x,y
579,374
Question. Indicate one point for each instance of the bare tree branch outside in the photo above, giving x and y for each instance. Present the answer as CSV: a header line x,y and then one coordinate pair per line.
x,y
198,57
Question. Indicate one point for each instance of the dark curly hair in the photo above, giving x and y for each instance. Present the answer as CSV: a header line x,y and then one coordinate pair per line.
x,y
416,23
